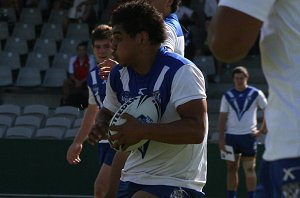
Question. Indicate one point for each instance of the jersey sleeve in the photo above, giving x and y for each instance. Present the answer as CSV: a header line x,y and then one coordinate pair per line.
x,y
224,107
256,8
171,38
111,101
262,100
185,89
91,97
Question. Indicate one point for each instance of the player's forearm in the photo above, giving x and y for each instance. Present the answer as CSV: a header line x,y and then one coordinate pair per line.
x,y
103,117
184,131
87,122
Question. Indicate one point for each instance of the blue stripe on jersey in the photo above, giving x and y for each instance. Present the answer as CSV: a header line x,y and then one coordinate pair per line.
x,y
173,21
241,101
126,83
97,85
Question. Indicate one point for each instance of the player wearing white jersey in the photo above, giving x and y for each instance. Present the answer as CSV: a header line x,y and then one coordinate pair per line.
x,y
238,128
173,162
235,27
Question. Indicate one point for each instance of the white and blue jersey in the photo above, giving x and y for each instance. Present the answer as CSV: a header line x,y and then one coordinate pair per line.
x,y
172,81
241,107
175,36
97,89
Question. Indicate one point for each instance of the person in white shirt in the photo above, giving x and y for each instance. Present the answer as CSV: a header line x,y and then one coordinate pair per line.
x,y
238,128
233,31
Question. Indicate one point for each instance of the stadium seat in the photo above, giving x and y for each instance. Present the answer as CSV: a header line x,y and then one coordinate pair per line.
x,y
28,77
45,46
6,77
37,60
57,16
10,59
77,122
54,77
58,122
50,133
10,110
78,31
67,111
9,14
29,120
61,60
31,15
4,33
52,31
37,110
17,45
71,133
24,31
68,46
2,130
6,120
20,132
205,63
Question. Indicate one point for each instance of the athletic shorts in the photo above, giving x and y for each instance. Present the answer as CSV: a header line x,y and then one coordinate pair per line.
x,y
279,179
105,154
244,144
128,189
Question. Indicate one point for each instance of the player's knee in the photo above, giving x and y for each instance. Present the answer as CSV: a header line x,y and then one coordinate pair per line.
x,y
249,168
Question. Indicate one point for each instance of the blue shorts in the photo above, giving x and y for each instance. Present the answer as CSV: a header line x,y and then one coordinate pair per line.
x,y
128,189
279,178
244,144
105,154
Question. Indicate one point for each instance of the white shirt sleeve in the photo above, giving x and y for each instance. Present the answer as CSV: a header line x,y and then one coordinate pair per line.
x,y
91,97
259,9
71,67
262,100
110,101
224,107
186,89
171,39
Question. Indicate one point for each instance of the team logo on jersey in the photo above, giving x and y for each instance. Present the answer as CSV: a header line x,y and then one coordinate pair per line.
x,y
179,193
125,96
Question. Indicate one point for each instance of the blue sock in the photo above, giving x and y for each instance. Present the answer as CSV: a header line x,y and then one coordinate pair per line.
x,y
251,194
231,194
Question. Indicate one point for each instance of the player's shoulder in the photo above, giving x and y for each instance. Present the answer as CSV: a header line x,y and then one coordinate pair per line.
x,y
174,59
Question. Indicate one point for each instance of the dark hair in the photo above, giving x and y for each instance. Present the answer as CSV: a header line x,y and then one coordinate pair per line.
x,y
101,32
174,6
240,70
83,44
137,16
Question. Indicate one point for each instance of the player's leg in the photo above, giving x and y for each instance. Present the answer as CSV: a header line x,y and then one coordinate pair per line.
x,y
249,149
232,179
233,176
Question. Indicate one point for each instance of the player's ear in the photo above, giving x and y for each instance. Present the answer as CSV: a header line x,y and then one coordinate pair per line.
x,y
142,37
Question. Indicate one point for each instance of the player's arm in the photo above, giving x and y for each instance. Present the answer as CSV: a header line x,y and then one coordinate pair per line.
x,y
222,128
76,147
232,33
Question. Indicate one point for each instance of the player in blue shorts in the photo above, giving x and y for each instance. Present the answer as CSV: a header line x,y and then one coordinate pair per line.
x,y
101,43
173,162
237,127
234,30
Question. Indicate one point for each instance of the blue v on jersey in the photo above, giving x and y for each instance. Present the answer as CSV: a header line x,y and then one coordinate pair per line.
x,y
172,81
97,85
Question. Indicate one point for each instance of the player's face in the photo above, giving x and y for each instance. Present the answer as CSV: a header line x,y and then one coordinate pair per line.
x,y
240,80
126,47
102,50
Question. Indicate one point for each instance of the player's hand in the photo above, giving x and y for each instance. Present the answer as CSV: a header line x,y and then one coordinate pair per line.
x,y
222,144
105,68
97,133
257,133
129,133
73,154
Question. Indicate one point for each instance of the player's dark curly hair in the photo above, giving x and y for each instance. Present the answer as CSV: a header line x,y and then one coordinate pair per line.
x,y
101,32
137,16
174,6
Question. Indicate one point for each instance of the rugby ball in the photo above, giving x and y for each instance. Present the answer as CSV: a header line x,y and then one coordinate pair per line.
x,y
144,108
